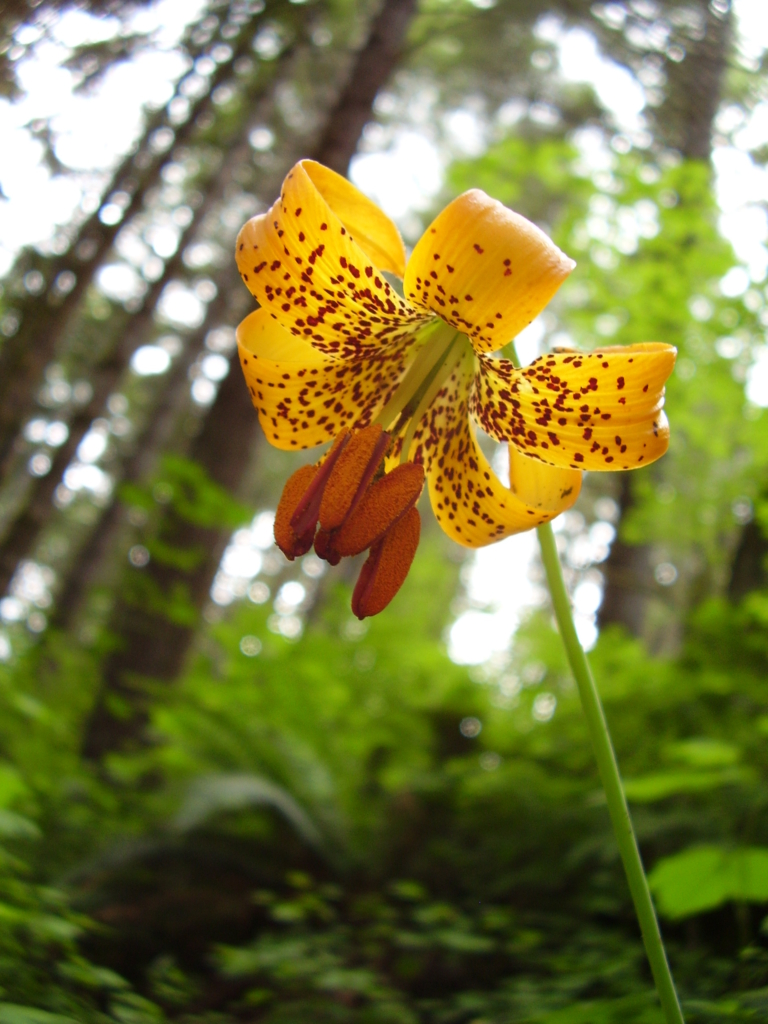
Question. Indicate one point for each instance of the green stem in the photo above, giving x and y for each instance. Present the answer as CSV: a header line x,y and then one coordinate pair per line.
x,y
424,397
439,338
609,773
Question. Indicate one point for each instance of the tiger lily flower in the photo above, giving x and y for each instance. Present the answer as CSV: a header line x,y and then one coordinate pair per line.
x,y
398,381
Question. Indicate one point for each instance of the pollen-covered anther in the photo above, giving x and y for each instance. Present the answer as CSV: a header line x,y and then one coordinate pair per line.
x,y
355,467
324,547
307,510
387,566
291,543
382,505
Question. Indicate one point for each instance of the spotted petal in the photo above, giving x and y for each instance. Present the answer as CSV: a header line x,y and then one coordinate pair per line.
x,y
485,270
471,504
314,260
303,397
546,488
598,410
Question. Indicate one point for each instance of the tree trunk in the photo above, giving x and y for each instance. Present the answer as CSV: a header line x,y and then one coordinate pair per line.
x,y
45,317
750,563
151,649
152,646
30,509
25,518
685,121
374,64
628,576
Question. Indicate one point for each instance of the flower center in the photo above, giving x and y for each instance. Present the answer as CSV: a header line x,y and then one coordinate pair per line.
x,y
429,366
347,503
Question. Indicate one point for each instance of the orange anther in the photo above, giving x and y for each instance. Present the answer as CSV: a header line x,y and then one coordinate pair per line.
x,y
287,539
325,548
388,563
381,506
308,508
350,476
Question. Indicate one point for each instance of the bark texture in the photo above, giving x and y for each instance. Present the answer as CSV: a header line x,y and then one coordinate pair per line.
x,y
25,520
694,87
374,64
152,646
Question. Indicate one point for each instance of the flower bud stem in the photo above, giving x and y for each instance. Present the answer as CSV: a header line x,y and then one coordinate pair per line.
x,y
609,773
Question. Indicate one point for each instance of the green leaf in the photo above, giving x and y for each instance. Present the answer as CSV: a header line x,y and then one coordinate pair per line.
x,y
12,786
704,877
215,794
633,1010
84,973
16,826
464,942
702,752
13,1013
659,785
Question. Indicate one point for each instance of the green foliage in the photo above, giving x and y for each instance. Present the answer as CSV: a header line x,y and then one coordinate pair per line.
x,y
705,877
447,887
184,486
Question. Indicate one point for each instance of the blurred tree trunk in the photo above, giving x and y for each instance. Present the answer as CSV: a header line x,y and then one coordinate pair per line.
x,y
34,508
153,649
34,514
374,64
694,86
160,435
683,121
45,317
628,574
749,570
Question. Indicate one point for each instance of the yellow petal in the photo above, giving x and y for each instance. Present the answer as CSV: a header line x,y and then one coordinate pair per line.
x,y
302,264
470,503
600,410
303,398
369,226
485,270
540,486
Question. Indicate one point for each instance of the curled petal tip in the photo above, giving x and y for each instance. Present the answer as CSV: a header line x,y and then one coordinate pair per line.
x,y
485,269
598,410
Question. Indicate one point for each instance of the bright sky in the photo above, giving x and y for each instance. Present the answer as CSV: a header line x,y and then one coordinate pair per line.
x,y
403,179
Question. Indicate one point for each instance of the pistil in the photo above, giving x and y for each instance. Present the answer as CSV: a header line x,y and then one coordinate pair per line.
x,y
429,359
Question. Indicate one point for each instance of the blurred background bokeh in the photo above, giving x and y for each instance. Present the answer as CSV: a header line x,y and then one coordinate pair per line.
x,y
223,798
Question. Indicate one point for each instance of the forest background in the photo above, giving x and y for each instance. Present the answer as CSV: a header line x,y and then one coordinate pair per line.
x,y
222,798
